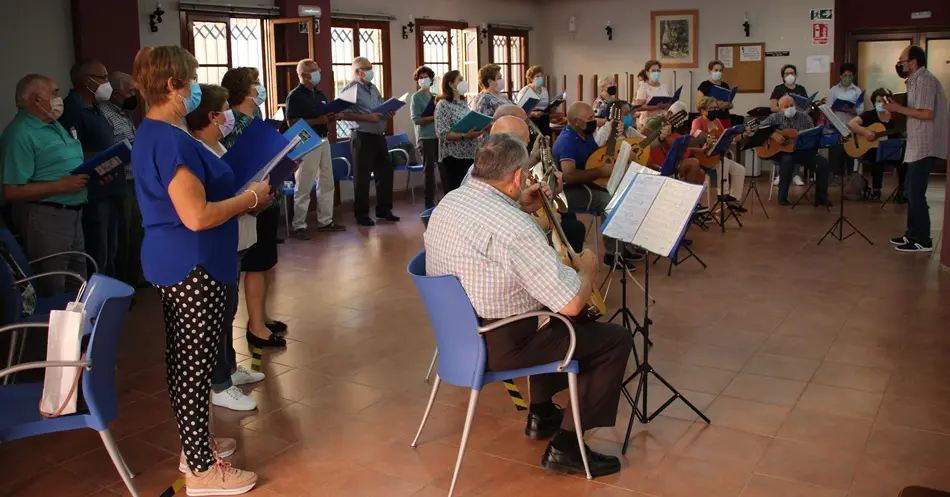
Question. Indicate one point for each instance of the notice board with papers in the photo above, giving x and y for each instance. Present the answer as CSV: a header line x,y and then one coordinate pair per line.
x,y
747,70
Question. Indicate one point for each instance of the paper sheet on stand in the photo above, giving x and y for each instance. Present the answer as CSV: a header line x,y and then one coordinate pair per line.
x,y
629,213
668,217
620,168
633,170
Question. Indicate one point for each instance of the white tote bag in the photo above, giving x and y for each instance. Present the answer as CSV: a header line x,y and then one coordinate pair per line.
x,y
63,344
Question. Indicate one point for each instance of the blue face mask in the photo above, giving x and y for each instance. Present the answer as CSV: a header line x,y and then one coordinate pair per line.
x,y
627,121
879,107
655,76
261,94
315,78
192,102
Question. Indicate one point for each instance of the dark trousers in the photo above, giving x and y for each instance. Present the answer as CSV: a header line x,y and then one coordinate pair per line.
x,y
602,352
128,261
429,149
227,357
574,230
100,227
591,198
371,157
918,212
841,163
455,171
810,159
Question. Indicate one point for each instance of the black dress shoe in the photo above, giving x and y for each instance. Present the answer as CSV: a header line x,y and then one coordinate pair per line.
x,y
273,341
365,221
277,327
543,428
387,216
570,462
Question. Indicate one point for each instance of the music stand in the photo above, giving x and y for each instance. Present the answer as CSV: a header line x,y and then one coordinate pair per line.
x,y
669,167
891,151
757,138
844,134
809,140
652,213
722,145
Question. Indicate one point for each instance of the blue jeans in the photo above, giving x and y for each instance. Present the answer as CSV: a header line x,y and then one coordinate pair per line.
x,y
227,357
918,212
788,162
100,227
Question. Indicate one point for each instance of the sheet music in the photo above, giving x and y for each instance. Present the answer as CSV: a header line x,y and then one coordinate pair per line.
x,y
663,226
626,218
349,94
833,119
631,174
528,95
620,168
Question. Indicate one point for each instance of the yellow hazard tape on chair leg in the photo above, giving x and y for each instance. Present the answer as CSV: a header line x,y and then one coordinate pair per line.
x,y
172,490
256,359
515,395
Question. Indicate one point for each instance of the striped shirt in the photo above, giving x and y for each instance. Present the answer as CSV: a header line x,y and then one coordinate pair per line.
x,y
799,122
122,127
926,138
498,253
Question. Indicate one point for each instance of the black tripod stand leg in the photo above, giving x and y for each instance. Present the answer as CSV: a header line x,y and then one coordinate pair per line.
x,y
676,395
754,190
856,230
805,196
890,197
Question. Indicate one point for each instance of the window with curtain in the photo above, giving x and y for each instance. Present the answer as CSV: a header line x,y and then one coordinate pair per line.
x,y
350,39
509,49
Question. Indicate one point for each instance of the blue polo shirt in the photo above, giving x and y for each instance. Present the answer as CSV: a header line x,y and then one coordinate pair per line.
x,y
170,250
570,145
95,134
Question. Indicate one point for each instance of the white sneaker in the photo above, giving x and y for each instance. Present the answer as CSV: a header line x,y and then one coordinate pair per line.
x,y
797,180
244,377
775,181
233,399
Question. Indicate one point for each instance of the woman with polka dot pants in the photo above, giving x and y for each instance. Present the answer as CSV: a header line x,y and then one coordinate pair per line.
x,y
189,211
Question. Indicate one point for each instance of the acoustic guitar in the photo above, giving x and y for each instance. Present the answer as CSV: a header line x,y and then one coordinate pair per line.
x,y
770,148
607,155
858,145
711,161
639,147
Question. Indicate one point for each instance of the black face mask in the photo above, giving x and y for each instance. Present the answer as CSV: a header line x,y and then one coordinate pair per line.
x,y
590,127
901,72
130,103
612,91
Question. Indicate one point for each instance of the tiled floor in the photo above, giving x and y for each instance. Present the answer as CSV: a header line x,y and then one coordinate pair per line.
x,y
823,368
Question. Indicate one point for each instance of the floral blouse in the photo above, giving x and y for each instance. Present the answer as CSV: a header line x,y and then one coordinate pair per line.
x,y
448,114
487,103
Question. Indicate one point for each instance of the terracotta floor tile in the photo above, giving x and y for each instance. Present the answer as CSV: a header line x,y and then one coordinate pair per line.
x,y
863,355
97,465
714,356
767,486
711,442
807,348
915,413
781,366
687,477
747,415
765,389
54,481
810,463
840,401
911,446
850,376
882,477
692,377
844,433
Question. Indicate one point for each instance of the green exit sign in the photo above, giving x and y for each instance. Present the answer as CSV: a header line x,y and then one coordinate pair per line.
x,y
821,14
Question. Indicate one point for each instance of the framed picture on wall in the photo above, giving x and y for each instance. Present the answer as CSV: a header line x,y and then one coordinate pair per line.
x,y
674,37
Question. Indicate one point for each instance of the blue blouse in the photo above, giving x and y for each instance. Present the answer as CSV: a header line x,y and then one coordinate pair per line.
x,y
170,250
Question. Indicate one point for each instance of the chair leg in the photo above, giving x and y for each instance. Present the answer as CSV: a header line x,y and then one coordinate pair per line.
x,y
772,181
425,416
117,460
14,337
435,357
575,409
287,214
469,417
412,191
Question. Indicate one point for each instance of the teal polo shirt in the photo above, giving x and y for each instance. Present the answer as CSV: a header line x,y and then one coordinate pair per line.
x,y
34,151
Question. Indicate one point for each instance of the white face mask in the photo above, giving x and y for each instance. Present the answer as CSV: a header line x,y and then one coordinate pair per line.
x,y
790,112
425,83
462,87
500,84
55,108
103,92
790,79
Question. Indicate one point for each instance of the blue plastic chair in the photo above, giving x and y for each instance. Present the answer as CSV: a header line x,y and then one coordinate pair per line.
x,y
7,238
425,216
463,351
391,142
435,357
342,161
20,417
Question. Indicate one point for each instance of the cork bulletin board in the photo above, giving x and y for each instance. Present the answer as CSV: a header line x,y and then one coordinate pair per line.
x,y
744,65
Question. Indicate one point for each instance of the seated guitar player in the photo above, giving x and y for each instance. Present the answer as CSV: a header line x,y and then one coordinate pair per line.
x,y
689,169
859,125
789,117
734,172
579,140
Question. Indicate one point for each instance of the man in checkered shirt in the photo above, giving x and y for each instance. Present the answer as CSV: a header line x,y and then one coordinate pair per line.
x,y
927,124
482,234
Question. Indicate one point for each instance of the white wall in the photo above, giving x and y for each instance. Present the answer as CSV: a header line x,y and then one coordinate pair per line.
x,y
37,37
780,25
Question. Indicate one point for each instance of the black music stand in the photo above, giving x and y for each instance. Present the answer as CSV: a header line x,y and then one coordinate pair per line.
x,y
757,138
670,163
809,140
720,149
891,151
843,134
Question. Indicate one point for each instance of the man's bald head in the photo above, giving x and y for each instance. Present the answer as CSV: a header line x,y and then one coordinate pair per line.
x,y
513,126
786,102
510,110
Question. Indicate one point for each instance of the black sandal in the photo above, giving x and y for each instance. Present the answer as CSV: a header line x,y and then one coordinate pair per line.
x,y
273,341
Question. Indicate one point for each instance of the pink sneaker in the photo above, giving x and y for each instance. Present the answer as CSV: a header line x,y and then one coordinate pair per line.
x,y
222,447
220,479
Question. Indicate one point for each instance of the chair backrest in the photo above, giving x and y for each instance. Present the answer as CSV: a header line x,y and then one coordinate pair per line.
x,y
392,141
7,238
98,289
425,216
99,382
462,352
341,168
